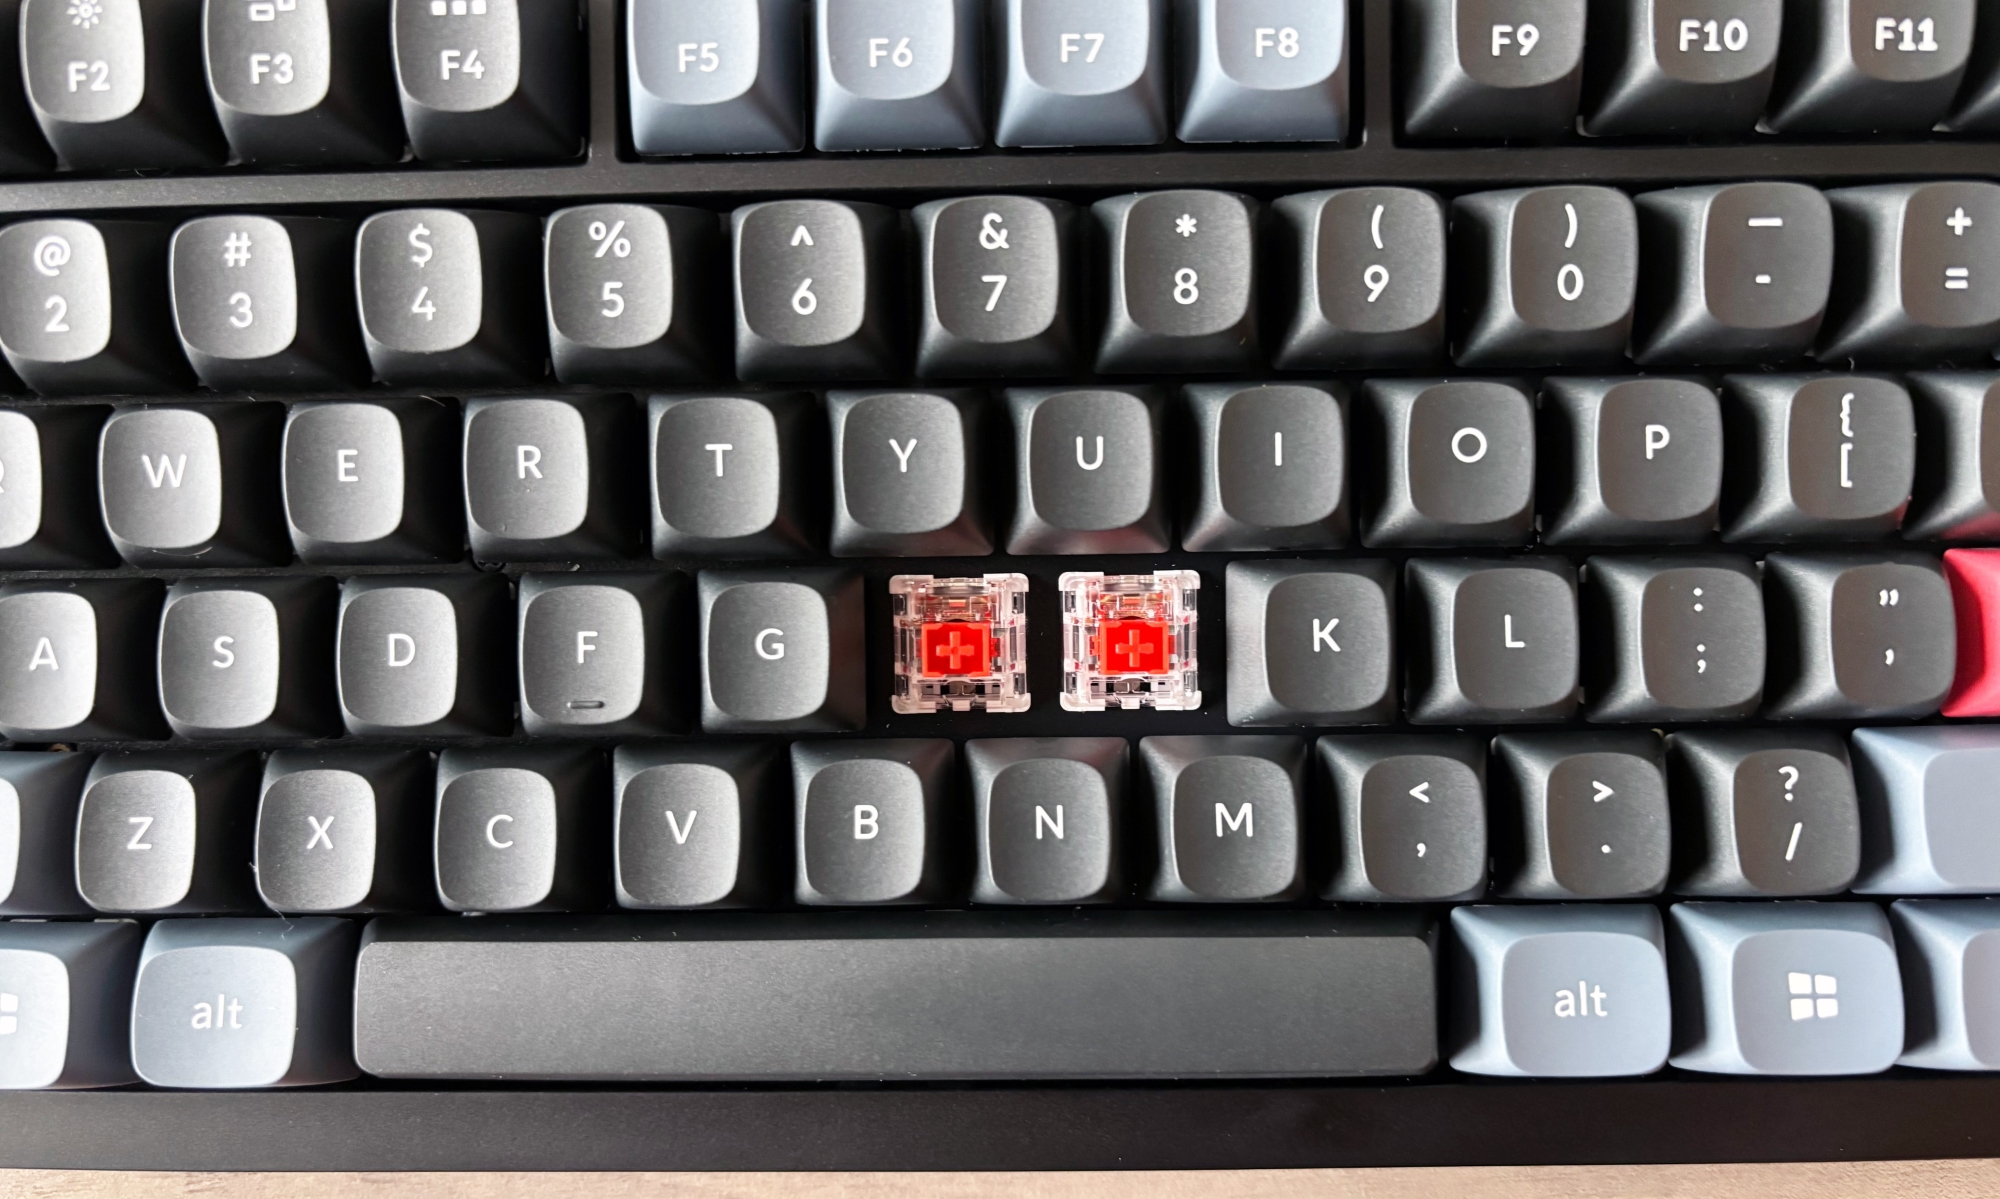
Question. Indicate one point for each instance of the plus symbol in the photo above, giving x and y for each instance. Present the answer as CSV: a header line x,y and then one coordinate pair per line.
x,y
1134,649
953,650
1959,222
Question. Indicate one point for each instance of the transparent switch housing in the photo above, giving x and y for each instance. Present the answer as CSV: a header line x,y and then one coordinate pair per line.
x,y
961,644
1129,641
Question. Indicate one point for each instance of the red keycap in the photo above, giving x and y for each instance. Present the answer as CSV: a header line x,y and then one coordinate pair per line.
x,y
1975,599
953,648
1132,647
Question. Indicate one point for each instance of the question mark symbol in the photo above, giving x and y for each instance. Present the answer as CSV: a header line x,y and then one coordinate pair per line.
x,y
1791,774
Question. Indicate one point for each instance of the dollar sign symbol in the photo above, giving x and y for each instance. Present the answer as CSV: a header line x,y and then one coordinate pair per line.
x,y
991,235
423,248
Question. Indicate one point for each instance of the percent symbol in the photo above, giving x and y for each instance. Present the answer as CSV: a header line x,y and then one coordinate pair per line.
x,y
609,239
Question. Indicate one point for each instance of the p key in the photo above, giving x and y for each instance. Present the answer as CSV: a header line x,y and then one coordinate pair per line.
x,y
299,82
1642,459
490,79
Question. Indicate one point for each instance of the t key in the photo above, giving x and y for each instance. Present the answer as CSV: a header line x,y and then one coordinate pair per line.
x,y
1549,275
264,302
1916,273
81,310
624,284
299,81
441,298
814,282
118,83
1359,277
490,79
728,472
998,285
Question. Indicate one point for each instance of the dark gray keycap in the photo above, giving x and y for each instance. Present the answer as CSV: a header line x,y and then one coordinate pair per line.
x,y
1180,282
781,651
551,478
1673,638
624,285
816,281
1408,817
1580,815
598,653
698,825
1227,818
22,150
39,793
1488,69
1359,276
1311,643
1570,991
1946,948
167,832
898,75
67,1006
521,828
1785,988
194,484
373,482
868,821
81,310
1491,641
48,487
1928,818
248,658
441,295
1549,275
1272,465
1914,278
732,475
1642,459
1872,66
345,830
226,1004
300,82
1859,635
1081,72
1821,456
425,655
119,84
1763,812
76,660
1087,471
907,473
1457,463
494,79
714,76
997,287
264,301
1956,485
1679,67
1047,818
1263,73
1977,109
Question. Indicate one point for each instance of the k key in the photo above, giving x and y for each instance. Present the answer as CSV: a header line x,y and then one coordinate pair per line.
x,y
625,284
490,79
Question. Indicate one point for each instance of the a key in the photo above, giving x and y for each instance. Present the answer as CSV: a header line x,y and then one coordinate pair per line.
x,y
119,84
1632,460
1679,67
373,482
1047,818
550,478
1263,73
227,1004
1944,947
425,655
729,474
1858,635
1870,66
1974,579
1227,818
715,76
1488,70
248,658
1786,988
1816,456
82,309
781,651
1311,643
1549,275
1272,465
193,484
1457,463
816,281
1081,72
1359,278
1913,280
1927,810
598,652
1733,272
697,825
520,829
1677,638
1180,282
48,487
1580,815
1763,812
902,75
299,82
868,820
77,661
39,793
1575,991
441,296
1955,496
345,830
67,1005
490,79
907,473
167,832
997,287
624,286
265,302
1087,471
1410,815
1492,642
22,150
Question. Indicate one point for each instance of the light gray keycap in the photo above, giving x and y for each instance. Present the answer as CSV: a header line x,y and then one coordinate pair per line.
x,y
997,284
493,79
264,301
729,472
1785,988
1643,458
1227,818
1087,471
1081,72
1550,274
1914,281
1949,950
1928,811
695,825
1271,72
898,74
119,84
48,487
781,651
1272,463
1956,493
815,280
441,298
1827,456
597,652
1864,635
66,1003
1311,642
624,283
714,76
80,311
345,830
906,473
165,833
1869,66
193,484
373,482
1180,282
1047,818
1411,817
39,793
550,478
1458,463
1764,812
868,821
226,1004
1490,69
1590,810
1492,641
1359,277
1565,991
1678,638
1676,67
76,660
426,655
519,829
301,82
245,658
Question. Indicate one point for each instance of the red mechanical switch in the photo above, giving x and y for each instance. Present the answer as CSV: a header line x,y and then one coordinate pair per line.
x,y
961,644
1132,646
1974,576
962,649
1128,641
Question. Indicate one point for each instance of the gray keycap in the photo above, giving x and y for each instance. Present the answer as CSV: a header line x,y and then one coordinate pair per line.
x,y
1566,991
729,475
1927,809
996,285
440,295
867,821
264,302
48,487
1680,67
1870,66
1784,988
1047,820
1274,72
520,829
1643,458
597,651
425,655
1678,638
623,283
1359,277
22,149
550,478
80,311
1550,275
193,484
906,473
1180,282
1830,456
1949,954
1311,643
1977,109
76,660
39,793
121,89
781,651
815,280
1764,812
65,1004
1226,818
1491,641
1955,494
1914,278
1409,817
1458,463
1488,69
243,658
300,83
714,76
1864,635
1087,471
169,832
1585,813
345,830
373,482
1272,464
697,825
245,1003
898,74
493,79
1081,72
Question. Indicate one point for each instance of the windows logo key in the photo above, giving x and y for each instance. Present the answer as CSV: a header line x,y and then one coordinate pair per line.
x,y
1813,995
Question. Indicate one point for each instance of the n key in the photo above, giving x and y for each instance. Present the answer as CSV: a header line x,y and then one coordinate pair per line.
x,y
441,297
1046,814
490,79
81,310
263,302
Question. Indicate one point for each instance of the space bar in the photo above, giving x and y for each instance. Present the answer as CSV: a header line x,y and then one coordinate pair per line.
x,y
881,995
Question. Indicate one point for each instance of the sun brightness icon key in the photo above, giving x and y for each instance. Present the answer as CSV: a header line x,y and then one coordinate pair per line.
x,y
961,644
1129,641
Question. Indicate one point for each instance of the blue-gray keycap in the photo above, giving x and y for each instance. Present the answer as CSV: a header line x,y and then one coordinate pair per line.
x,y
1950,952
714,76
1265,71
39,793
1046,818
898,74
65,1003
1930,816
1082,72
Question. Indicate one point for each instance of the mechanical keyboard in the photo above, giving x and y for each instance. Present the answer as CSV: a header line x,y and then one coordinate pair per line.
x,y
998,583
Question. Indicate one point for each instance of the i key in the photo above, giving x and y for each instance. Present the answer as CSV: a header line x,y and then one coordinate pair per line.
x,y
1549,275
697,825
1409,817
298,82
248,658
868,821
194,484
118,84
345,830
169,832
1641,459
1181,282
441,300
1492,641
550,478
1495,69
1860,636
373,482
1359,274
82,309
815,284
714,76
998,287
77,661
425,655
1046,815
1679,67
1272,467
624,283
263,302
1763,812
1916,271
1870,66
597,652
1227,816
901,76
1817,456
490,79
729,474
1081,72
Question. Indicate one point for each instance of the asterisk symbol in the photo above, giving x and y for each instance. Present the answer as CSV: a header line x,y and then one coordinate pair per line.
x,y
1185,225
85,12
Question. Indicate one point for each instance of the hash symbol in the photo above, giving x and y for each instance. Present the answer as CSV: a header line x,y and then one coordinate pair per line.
x,y
1184,225
236,249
